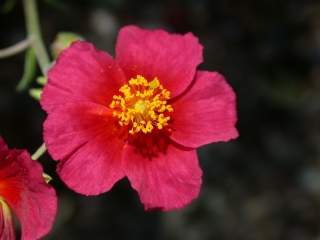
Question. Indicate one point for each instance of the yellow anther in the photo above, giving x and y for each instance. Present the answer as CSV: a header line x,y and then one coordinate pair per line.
x,y
154,84
142,105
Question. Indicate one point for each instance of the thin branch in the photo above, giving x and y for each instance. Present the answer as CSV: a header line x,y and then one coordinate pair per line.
x,y
15,49
34,33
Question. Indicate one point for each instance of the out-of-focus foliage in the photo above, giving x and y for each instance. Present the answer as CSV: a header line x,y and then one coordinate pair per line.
x,y
7,6
62,41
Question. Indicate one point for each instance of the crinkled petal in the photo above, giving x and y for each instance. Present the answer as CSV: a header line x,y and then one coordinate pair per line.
x,y
206,113
82,73
70,127
169,180
95,167
88,142
3,147
172,58
32,200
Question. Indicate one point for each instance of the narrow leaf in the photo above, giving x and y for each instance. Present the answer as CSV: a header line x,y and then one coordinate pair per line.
x,y
29,72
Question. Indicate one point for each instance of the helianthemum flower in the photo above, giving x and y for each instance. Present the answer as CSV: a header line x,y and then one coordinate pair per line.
x,y
141,116
24,193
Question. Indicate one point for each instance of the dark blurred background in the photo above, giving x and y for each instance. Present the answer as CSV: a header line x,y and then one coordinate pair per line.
x,y
264,185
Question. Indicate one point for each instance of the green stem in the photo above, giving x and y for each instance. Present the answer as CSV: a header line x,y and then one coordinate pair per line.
x,y
15,49
34,33
40,151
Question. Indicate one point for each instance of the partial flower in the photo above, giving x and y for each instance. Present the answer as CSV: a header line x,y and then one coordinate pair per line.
x,y
24,193
140,115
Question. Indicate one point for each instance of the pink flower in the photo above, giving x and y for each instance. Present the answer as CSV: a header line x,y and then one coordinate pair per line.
x,y
24,192
141,116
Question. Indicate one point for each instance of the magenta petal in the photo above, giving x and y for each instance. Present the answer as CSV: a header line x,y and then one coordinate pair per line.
x,y
172,58
84,136
168,181
36,210
206,113
82,73
69,127
94,167
23,188
3,147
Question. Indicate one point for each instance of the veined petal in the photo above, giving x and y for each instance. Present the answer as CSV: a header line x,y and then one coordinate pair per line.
x,y
172,58
73,125
81,73
95,167
167,180
206,113
87,140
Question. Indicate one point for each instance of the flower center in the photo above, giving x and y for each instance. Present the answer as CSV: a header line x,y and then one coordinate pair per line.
x,y
142,105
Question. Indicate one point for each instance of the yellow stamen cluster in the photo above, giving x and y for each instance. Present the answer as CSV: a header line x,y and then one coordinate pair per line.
x,y
142,105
